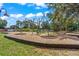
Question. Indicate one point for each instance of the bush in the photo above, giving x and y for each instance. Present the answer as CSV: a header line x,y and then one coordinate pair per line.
x,y
26,29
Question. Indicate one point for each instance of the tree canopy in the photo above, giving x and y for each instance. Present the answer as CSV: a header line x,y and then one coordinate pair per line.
x,y
65,16
3,23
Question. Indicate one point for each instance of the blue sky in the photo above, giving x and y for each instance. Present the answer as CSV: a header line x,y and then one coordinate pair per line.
x,y
20,11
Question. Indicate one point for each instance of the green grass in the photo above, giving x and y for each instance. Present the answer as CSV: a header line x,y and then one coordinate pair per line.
x,y
12,48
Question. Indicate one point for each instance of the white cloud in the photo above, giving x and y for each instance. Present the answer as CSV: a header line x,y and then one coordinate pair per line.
x,y
4,17
39,14
30,15
33,15
12,15
16,15
19,15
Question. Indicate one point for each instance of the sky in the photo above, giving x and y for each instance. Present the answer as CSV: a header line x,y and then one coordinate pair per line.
x,y
20,11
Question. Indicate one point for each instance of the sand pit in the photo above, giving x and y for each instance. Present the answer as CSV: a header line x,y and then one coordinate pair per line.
x,y
64,40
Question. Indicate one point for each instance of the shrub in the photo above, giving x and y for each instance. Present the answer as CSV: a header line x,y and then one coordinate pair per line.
x,y
26,29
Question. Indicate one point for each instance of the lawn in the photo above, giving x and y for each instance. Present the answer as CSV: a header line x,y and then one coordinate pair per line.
x,y
12,48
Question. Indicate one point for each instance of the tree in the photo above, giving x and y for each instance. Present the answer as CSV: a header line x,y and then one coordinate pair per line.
x,y
63,15
29,24
45,25
19,24
13,27
3,24
25,24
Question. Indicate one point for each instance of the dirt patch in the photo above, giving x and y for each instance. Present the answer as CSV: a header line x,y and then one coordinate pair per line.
x,y
20,34
29,35
49,37
60,39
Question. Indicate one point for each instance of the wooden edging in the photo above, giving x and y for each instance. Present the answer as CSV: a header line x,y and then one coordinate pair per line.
x,y
69,46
